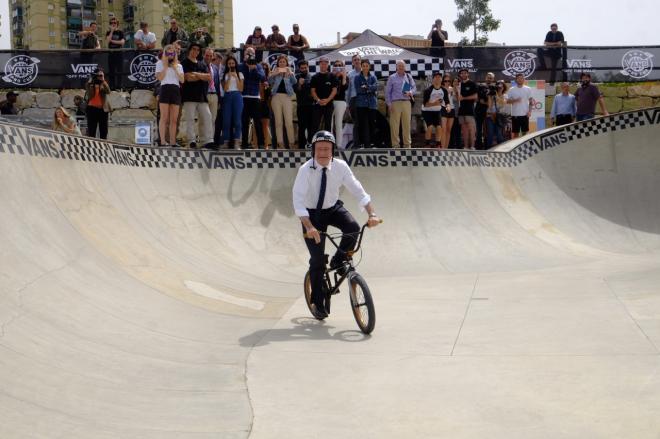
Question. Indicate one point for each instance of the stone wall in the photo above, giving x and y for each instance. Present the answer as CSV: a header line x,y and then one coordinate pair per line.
x,y
38,106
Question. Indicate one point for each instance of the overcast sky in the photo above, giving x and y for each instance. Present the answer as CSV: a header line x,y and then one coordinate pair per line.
x,y
590,22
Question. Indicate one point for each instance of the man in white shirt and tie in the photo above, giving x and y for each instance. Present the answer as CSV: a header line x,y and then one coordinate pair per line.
x,y
316,202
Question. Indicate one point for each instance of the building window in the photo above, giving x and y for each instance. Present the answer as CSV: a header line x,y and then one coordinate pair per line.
x,y
51,46
51,20
51,6
51,33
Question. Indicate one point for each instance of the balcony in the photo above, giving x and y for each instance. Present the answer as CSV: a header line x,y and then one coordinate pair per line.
x,y
74,39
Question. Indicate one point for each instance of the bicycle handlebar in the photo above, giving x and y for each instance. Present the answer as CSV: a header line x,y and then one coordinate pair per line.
x,y
359,239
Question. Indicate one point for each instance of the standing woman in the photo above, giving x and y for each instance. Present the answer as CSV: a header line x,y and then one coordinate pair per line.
x,y
265,94
456,140
448,111
282,81
232,103
366,86
97,91
340,101
170,74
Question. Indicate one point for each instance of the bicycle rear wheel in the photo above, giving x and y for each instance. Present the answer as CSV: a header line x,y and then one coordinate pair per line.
x,y
362,304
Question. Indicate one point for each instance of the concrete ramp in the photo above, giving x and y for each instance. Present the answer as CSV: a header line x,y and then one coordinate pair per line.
x,y
156,293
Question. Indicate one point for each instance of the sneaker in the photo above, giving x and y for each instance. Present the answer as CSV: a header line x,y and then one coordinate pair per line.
x,y
318,311
193,145
210,145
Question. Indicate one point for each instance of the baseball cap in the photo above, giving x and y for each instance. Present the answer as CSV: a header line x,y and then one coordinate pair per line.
x,y
324,59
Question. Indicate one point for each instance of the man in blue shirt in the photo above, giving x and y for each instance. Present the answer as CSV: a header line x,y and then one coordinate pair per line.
x,y
563,106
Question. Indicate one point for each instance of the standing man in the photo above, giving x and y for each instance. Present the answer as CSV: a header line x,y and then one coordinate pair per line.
x,y
554,41
399,97
466,101
316,202
175,35
276,41
89,38
218,62
194,97
297,44
520,98
438,38
586,97
304,104
351,95
202,38
256,41
563,106
481,109
115,39
144,40
253,75
213,91
324,89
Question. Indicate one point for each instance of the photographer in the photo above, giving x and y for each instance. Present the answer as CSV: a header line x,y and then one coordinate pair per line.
x,y
96,96
254,77
174,35
282,81
499,114
202,38
170,74
438,38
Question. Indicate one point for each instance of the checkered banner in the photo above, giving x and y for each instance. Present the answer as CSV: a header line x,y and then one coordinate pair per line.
x,y
418,68
19,140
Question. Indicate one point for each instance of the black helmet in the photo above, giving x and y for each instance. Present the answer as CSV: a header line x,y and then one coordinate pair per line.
x,y
324,136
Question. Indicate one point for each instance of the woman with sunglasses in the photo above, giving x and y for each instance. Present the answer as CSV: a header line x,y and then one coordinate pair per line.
x,y
170,74
498,115
448,111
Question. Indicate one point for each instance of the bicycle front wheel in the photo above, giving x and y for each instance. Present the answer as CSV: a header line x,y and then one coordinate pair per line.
x,y
362,304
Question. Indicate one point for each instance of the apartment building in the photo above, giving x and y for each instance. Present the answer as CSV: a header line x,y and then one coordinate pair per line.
x,y
54,24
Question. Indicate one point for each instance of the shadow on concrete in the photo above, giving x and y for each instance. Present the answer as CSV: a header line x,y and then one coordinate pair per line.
x,y
304,328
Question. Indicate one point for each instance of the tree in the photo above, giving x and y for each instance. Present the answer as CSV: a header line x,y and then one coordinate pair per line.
x,y
475,14
189,16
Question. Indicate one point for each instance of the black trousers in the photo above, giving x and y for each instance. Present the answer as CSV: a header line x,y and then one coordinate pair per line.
x,y
563,119
252,110
480,120
322,117
305,133
217,129
96,117
366,124
352,109
336,216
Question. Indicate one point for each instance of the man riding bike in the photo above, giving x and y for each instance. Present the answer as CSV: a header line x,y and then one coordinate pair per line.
x,y
316,202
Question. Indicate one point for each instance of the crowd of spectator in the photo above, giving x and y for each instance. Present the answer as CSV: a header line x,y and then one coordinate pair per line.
x,y
207,97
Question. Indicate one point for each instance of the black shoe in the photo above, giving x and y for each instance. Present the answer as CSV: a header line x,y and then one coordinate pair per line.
x,y
318,311
193,145
210,145
339,265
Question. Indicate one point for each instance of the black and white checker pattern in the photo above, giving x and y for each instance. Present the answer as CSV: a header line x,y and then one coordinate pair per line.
x,y
416,67
13,138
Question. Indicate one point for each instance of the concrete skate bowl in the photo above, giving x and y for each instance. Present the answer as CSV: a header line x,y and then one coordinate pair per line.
x,y
136,282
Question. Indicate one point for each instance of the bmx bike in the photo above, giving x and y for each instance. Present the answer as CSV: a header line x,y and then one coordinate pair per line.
x,y
362,303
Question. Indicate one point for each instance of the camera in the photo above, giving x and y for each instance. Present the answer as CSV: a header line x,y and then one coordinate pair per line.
x,y
251,61
97,78
492,90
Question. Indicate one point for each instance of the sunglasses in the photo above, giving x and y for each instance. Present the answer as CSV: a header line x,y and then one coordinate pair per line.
x,y
170,53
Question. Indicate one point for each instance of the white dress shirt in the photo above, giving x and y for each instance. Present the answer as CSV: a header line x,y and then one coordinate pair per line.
x,y
308,185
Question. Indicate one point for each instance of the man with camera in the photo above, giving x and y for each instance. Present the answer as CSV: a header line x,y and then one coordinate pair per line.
x,y
194,97
304,104
324,89
97,91
202,38
483,91
438,38
253,75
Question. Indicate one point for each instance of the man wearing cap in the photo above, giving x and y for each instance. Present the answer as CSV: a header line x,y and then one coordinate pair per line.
x,y
316,202
9,106
276,40
324,89
297,44
194,96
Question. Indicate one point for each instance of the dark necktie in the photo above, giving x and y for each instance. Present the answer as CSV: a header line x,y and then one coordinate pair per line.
x,y
319,203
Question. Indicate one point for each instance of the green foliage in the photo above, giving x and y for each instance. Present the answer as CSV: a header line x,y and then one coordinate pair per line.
x,y
189,16
475,14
